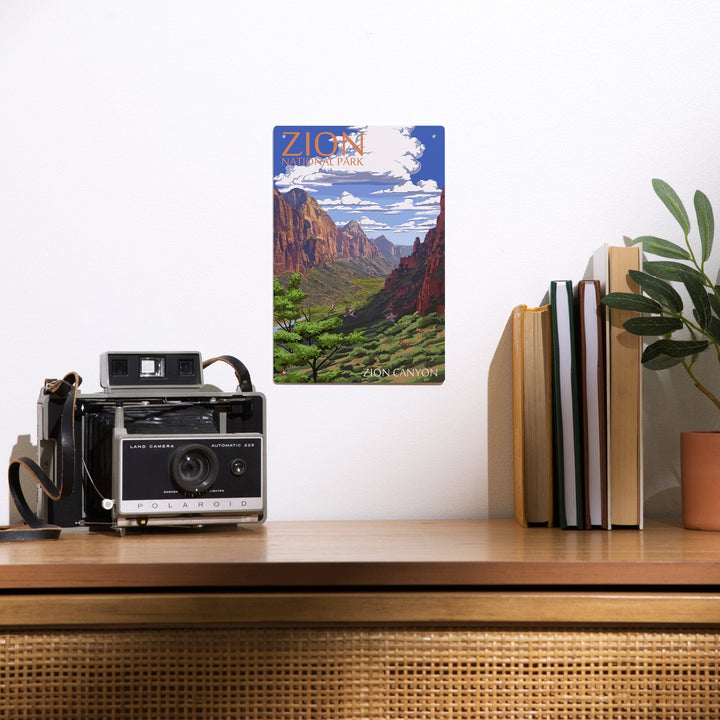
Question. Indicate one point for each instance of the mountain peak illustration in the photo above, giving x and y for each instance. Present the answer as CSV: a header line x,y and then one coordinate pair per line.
x,y
353,242
297,198
305,236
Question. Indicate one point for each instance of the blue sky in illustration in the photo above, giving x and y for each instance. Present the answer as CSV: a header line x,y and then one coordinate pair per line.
x,y
393,188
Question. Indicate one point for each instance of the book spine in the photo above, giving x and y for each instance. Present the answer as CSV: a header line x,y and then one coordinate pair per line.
x,y
518,416
566,409
625,397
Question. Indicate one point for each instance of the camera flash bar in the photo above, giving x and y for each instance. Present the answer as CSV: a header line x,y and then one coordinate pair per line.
x,y
134,370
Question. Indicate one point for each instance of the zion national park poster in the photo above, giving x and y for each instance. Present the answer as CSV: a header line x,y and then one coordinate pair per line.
x,y
359,254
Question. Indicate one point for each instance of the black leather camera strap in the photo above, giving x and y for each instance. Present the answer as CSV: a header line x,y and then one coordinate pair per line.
x,y
241,372
34,528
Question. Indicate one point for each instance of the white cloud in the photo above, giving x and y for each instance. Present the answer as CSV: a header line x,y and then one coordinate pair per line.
x,y
371,225
417,224
431,205
432,202
349,202
406,204
421,188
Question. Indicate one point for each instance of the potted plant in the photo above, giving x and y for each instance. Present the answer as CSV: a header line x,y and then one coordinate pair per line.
x,y
664,317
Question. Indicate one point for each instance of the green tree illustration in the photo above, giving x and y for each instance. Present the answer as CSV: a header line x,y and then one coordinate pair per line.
x,y
301,341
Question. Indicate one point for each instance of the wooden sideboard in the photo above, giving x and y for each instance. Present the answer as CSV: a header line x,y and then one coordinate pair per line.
x,y
381,619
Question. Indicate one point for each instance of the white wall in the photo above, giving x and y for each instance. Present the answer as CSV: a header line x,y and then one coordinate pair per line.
x,y
135,211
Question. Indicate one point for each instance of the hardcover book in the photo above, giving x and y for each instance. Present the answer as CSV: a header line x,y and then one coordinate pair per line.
x,y
566,408
359,254
592,373
625,403
532,376
623,387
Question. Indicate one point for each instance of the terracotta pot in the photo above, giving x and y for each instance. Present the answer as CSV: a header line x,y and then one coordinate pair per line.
x,y
700,480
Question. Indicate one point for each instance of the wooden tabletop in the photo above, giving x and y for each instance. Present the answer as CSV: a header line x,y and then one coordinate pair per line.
x,y
381,554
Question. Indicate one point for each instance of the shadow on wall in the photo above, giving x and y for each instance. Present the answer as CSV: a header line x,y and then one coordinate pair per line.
x,y
500,440
671,405
24,448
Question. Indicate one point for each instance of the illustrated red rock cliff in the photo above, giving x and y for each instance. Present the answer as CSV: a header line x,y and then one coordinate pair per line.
x,y
432,291
353,242
418,283
306,236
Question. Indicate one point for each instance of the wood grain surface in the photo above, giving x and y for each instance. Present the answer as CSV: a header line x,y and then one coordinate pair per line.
x,y
384,554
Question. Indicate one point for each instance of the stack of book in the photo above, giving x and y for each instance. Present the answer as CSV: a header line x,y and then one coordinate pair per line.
x,y
577,404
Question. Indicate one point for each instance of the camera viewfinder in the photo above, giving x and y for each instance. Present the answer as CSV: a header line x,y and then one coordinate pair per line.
x,y
119,367
186,366
153,367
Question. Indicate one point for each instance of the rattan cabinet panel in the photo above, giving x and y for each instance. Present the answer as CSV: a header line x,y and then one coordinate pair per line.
x,y
381,673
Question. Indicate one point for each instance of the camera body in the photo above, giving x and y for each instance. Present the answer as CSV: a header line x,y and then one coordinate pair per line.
x,y
157,446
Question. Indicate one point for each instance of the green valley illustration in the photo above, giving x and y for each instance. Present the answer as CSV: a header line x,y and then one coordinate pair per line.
x,y
359,254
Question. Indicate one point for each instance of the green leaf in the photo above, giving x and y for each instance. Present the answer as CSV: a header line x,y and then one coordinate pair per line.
x,y
328,341
673,349
669,270
631,301
699,297
714,329
706,222
658,290
673,203
661,362
285,336
652,325
714,303
663,248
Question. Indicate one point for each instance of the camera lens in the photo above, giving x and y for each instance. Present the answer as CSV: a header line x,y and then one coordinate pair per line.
x,y
193,469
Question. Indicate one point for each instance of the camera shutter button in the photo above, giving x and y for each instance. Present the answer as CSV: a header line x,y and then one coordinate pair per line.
x,y
238,467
